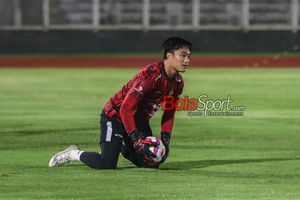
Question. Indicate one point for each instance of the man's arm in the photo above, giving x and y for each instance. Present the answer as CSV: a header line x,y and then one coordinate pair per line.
x,y
167,122
128,109
141,87
166,130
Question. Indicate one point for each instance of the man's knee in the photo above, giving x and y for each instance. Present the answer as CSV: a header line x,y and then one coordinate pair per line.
x,y
105,164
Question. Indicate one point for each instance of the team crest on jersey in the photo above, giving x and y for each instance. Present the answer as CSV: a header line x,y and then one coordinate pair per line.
x,y
137,92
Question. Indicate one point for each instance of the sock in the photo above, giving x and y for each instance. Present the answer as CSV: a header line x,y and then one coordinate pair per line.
x,y
75,154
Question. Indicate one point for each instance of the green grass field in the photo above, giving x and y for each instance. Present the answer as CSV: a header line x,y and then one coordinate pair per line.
x,y
256,156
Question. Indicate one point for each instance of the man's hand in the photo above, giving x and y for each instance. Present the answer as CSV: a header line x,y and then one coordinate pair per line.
x,y
165,138
141,147
136,139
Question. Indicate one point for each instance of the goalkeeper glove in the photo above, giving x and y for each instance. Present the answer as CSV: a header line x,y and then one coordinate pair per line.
x,y
141,147
136,140
165,138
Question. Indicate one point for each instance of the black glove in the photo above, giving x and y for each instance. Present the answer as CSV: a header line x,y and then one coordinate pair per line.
x,y
165,138
141,147
136,138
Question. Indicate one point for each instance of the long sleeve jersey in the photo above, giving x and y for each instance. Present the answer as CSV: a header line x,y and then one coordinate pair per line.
x,y
142,96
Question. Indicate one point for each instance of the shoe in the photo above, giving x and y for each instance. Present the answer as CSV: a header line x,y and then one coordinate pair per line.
x,y
62,158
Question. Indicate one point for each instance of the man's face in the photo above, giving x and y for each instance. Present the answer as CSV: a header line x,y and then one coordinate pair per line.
x,y
179,59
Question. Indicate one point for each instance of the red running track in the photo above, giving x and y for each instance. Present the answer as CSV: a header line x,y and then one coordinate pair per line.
x,y
131,61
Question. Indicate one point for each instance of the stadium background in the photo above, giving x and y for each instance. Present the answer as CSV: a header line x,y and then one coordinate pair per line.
x,y
58,62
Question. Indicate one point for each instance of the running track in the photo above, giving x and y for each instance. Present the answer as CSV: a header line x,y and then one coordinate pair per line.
x,y
133,61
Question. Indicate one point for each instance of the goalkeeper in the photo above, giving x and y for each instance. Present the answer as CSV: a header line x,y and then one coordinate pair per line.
x,y
125,117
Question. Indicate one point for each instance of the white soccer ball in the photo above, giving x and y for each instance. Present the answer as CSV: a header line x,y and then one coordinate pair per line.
x,y
157,148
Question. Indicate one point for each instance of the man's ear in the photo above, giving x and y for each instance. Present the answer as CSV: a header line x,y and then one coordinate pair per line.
x,y
169,55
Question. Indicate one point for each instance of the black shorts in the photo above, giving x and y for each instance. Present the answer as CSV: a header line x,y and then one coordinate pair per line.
x,y
114,140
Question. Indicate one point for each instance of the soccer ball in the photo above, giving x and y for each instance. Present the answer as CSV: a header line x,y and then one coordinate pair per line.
x,y
157,148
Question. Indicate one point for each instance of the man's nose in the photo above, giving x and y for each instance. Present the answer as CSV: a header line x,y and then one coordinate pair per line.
x,y
187,60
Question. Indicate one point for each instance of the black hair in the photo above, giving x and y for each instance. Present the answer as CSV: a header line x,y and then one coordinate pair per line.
x,y
173,43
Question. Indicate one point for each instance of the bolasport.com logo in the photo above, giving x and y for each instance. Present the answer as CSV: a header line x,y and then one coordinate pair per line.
x,y
203,106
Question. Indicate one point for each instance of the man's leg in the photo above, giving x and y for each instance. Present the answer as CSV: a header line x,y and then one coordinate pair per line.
x,y
110,142
127,149
128,152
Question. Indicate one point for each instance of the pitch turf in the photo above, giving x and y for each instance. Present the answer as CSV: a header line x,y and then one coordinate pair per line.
x,y
256,156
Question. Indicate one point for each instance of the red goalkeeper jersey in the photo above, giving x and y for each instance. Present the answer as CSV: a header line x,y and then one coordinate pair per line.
x,y
142,96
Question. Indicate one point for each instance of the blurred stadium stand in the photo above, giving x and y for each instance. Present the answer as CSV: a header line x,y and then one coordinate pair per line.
x,y
150,15
139,25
